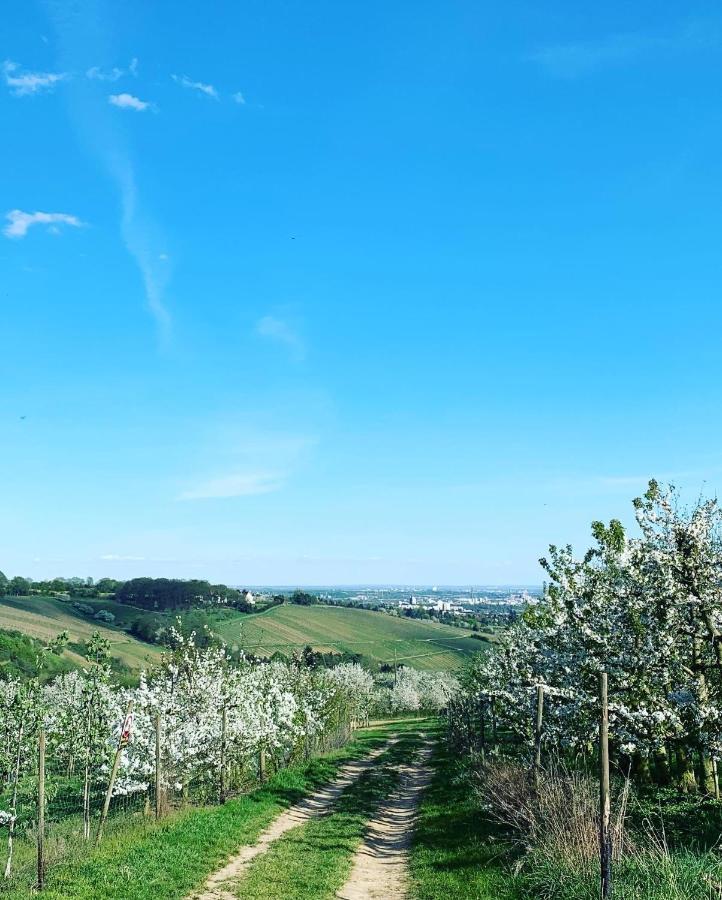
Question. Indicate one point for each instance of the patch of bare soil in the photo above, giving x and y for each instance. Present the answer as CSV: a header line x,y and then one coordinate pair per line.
x,y
217,886
380,867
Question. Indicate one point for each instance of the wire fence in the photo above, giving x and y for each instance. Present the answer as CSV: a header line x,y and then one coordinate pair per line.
x,y
63,808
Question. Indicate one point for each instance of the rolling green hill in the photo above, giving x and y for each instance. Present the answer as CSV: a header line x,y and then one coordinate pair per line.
x,y
45,617
375,635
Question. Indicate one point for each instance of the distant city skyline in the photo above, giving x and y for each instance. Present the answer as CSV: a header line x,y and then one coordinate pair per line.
x,y
352,295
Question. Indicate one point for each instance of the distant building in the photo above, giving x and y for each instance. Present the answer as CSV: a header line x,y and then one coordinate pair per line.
x,y
249,598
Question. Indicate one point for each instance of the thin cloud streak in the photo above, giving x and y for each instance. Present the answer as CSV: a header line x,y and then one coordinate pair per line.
x,y
235,484
119,557
280,331
199,86
137,242
79,27
577,58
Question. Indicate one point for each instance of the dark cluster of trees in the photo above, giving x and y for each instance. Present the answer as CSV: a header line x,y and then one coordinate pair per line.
x,y
303,598
174,593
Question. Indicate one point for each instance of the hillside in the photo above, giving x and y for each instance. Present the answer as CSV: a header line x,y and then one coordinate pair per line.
x,y
375,635
45,617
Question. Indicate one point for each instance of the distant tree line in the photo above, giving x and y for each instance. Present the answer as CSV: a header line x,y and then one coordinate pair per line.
x,y
175,593
78,587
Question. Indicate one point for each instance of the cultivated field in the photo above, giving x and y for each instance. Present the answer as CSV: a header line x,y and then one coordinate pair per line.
x,y
44,617
423,645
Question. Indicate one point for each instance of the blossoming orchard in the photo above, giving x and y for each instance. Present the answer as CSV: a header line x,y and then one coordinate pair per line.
x,y
197,728
646,610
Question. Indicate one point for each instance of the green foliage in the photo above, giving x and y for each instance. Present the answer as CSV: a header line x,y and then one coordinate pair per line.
x,y
689,822
20,658
41,617
84,608
303,598
18,586
103,615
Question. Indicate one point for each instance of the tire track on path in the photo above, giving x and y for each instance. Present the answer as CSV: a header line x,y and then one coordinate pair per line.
x,y
380,866
216,887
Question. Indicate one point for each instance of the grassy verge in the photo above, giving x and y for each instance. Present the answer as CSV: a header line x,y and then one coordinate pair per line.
x,y
168,860
313,861
456,852
681,875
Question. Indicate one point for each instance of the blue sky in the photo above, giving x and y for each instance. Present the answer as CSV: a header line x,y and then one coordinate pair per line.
x,y
323,293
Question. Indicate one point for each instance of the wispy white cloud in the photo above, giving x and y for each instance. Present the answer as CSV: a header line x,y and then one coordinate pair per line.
x,y
121,557
235,484
78,28
199,86
23,83
128,101
95,73
141,238
18,222
280,331
239,98
243,461
569,60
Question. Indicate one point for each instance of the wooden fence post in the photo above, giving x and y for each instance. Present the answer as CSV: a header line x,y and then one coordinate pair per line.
x,y
538,732
222,788
605,843
122,741
158,768
482,729
41,809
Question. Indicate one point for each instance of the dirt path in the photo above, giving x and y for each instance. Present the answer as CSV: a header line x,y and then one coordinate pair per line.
x,y
380,865
216,888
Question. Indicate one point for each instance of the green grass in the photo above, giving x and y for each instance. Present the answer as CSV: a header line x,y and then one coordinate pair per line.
x,y
681,875
314,860
45,617
424,645
456,853
140,860
375,635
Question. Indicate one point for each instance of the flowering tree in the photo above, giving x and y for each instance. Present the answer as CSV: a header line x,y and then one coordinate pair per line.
x,y
648,611
413,690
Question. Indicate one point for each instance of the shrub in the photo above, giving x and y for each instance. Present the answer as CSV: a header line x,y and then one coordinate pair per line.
x,y
104,616
559,818
83,608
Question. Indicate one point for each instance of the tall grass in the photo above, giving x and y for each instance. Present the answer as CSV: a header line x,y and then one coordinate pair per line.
x,y
557,825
